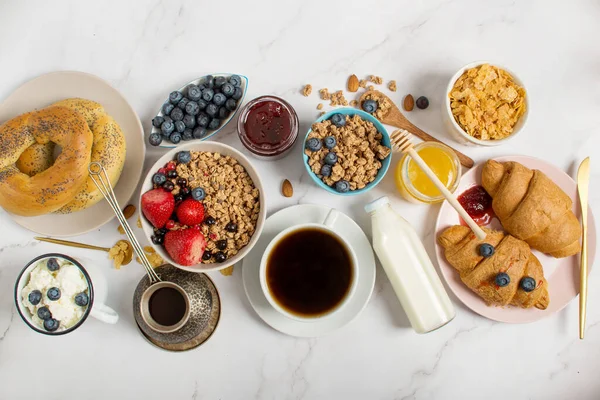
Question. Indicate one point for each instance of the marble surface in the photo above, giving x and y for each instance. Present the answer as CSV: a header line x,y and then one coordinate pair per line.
x,y
147,48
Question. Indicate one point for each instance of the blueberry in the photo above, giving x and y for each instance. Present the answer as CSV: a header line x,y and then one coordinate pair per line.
x,y
175,97
235,80
175,137
220,257
189,121
181,105
212,110
313,144
35,296
53,293
331,158
184,157
44,313
206,255
502,279
199,132
82,299
486,250
167,128
231,227
228,89
167,108
167,118
155,139
342,186
237,94
179,126
370,106
172,174
210,221
157,121
51,324
207,94
231,104
214,123
202,104
326,170
158,178
221,244
209,82
194,93
157,239
330,141
527,283
177,114
188,134
338,120
168,186
422,102
52,264
219,99
223,112
220,81
192,108
203,120
198,194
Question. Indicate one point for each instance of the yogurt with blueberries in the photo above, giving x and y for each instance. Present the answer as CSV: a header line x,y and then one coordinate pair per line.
x,y
56,295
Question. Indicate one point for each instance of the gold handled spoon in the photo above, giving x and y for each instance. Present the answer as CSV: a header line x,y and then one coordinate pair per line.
x,y
583,181
128,251
395,118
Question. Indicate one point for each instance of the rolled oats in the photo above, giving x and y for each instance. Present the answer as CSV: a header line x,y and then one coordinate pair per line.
x,y
320,106
307,90
324,93
392,86
376,79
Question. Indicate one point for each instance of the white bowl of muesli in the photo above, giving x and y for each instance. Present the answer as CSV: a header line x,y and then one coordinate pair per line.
x,y
203,206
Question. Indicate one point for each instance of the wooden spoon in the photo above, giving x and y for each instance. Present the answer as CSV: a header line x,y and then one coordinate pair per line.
x,y
128,252
395,118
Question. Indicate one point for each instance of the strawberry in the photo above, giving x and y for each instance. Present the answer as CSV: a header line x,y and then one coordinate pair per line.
x,y
157,206
185,246
190,212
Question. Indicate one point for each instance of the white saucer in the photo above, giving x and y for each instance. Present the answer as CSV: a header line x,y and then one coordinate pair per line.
x,y
346,228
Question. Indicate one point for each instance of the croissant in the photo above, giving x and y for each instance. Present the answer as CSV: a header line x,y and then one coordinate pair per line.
x,y
532,208
511,256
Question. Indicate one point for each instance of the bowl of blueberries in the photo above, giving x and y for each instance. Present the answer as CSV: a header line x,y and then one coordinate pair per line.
x,y
198,110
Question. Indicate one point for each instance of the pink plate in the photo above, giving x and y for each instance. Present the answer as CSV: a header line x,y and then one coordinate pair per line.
x,y
562,273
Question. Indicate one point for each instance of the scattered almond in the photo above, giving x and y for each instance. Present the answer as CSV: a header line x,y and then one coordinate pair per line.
x,y
409,102
320,106
352,83
392,86
287,189
128,211
307,90
227,271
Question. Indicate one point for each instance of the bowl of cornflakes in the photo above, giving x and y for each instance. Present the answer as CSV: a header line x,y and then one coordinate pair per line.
x,y
485,104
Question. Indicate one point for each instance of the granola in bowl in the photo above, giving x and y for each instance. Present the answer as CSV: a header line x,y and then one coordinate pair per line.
x,y
347,151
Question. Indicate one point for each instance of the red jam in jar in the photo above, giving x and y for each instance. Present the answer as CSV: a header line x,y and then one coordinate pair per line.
x,y
478,204
268,127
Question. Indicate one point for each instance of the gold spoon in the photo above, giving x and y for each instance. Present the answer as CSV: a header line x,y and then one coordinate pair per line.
x,y
583,181
128,251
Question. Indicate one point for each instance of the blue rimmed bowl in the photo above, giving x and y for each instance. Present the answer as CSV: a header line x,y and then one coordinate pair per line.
x,y
168,145
385,140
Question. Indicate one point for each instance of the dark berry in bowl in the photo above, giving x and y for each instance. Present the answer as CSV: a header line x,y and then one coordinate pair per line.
x,y
175,97
210,221
208,94
35,296
53,293
219,99
192,108
184,157
179,126
207,255
201,104
220,257
167,127
51,325
44,313
52,264
235,80
342,186
221,244
157,121
155,139
527,283
168,186
199,194
370,106
237,94
187,134
167,108
179,198
199,132
330,141
183,103
331,158
326,170
228,89
203,120
212,110
157,239
231,104
177,114
502,279
175,137
209,82
214,123
220,81
338,120
182,181
194,93
223,112
313,144
231,227
185,191
189,121
422,102
82,299
172,174
159,179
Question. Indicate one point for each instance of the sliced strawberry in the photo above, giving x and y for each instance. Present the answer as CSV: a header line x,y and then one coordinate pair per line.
x,y
157,206
185,246
190,212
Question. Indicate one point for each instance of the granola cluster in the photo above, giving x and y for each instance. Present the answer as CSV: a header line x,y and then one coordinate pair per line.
x,y
231,197
358,148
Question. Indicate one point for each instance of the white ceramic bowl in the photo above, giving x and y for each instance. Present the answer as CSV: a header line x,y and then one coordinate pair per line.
x,y
457,132
224,150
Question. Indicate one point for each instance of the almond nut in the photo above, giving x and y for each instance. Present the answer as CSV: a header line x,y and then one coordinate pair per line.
x,y
409,102
287,189
128,211
352,83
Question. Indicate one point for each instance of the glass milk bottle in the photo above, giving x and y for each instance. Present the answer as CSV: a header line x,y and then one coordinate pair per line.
x,y
409,269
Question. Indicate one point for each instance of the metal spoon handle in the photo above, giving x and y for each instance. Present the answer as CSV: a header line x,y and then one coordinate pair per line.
x,y
72,244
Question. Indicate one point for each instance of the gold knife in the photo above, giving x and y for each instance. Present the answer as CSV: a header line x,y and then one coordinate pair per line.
x,y
583,181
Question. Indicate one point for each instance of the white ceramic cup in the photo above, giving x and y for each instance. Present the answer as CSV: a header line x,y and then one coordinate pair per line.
x,y
97,292
327,226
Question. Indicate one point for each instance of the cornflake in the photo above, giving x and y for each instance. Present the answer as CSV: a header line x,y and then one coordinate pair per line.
x,y
487,103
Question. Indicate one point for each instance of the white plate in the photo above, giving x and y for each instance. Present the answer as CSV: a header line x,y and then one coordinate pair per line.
x,y
346,228
44,90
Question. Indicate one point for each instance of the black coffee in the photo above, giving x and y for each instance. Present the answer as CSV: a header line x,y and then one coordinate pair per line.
x,y
309,272
167,306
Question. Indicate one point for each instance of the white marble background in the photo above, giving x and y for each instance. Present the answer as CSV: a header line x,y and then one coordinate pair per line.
x,y
146,49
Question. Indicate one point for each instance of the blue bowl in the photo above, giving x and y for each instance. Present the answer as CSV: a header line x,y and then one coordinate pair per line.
x,y
385,140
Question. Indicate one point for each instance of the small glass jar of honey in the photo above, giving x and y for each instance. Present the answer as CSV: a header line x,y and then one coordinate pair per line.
x,y
414,185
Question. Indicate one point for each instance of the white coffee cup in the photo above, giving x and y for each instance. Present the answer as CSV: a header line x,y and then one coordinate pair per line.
x,y
97,292
326,226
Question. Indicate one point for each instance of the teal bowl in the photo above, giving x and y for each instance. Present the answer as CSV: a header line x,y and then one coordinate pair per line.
x,y
385,140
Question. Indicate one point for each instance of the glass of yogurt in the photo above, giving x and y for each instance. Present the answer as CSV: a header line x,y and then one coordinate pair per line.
x,y
54,295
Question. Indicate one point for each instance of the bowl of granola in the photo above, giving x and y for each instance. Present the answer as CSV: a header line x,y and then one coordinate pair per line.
x,y
203,205
347,151
485,104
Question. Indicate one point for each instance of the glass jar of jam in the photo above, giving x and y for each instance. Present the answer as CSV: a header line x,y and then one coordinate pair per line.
x,y
268,127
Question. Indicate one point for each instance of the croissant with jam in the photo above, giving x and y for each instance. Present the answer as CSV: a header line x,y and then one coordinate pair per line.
x,y
501,268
